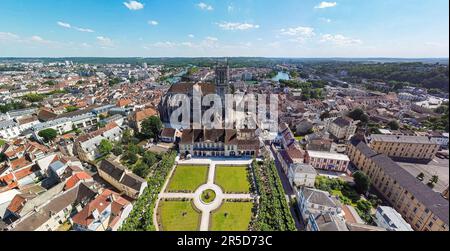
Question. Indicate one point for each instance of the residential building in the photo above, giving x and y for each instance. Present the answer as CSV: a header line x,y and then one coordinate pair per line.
x,y
302,175
341,128
405,147
421,207
391,220
107,212
136,118
328,161
168,135
320,211
86,146
122,179
56,211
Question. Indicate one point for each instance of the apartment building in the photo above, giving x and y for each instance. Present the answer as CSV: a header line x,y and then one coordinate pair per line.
x,y
405,147
86,146
341,128
420,206
328,161
121,178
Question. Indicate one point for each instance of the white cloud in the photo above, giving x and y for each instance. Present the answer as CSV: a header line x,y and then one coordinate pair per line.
x,y
205,6
69,26
37,39
105,41
298,34
8,36
166,44
237,26
84,30
65,25
134,5
153,22
340,40
324,5
191,35
214,39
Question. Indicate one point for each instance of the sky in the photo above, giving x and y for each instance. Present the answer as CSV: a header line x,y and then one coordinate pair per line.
x,y
217,28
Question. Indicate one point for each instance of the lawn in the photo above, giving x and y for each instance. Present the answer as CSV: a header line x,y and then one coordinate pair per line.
x,y
232,179
232,216
188,178
178,216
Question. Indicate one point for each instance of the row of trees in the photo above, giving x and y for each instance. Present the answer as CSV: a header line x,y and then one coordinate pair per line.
x,y
273,211
141,217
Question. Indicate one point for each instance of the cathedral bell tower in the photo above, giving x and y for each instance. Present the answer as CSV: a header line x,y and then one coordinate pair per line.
x,y
222,80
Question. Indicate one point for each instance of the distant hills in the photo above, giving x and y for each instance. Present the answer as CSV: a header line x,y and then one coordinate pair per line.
x,y
235,61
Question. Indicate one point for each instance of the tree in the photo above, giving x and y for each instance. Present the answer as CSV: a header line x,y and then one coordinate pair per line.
x,y
48,134
127,136
117,150
364,205
150,158
359,114
325,115
394,125
151,127
433,180
105,147
130,157
71,109
362,182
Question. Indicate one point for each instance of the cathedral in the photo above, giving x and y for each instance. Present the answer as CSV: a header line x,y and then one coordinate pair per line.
x,y
171,102
202,142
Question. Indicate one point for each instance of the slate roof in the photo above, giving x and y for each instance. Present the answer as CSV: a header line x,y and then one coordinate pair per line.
x,y
429,198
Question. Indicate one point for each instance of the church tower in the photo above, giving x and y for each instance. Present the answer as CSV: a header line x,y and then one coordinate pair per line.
x,y
222,80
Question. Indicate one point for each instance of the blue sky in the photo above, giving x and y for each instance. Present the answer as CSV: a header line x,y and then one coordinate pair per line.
x,y
271,28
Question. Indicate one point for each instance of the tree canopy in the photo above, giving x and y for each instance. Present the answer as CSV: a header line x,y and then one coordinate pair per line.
x,y
151,127
48,134
362,182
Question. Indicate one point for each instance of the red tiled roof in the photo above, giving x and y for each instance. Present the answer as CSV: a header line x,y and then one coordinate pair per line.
x,y
124,102
73,181
20,163
85,217
144,114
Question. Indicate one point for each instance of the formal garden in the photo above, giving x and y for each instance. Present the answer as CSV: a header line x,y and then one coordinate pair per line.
x,y
187,178
232,216
189,194
178,215
233,179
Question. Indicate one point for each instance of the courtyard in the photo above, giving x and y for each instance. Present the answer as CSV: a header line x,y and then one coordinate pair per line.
x,y
205,194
